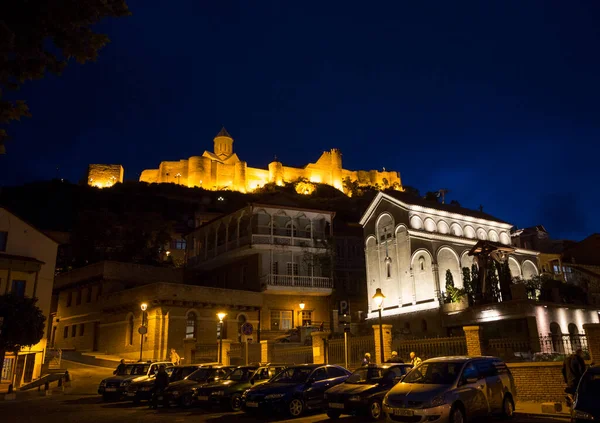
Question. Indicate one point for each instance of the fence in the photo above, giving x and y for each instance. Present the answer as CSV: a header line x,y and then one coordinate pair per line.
x,y
357,347
544,348
431,347
204,352
291,354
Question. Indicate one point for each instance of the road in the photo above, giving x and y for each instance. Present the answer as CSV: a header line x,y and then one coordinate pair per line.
x,y
91,409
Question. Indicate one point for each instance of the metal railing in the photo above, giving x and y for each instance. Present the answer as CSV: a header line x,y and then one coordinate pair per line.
x,y
543,348
431,347
357,347
298,281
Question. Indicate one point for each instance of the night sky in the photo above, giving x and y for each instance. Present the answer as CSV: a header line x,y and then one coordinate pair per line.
x,y
498,101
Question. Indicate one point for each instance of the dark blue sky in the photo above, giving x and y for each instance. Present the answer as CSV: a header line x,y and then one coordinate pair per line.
x,y
498,101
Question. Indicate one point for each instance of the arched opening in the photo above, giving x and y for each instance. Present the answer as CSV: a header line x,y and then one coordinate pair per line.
x,y
190,325
388,267
574,337
290,229
385,227
130,330
556,336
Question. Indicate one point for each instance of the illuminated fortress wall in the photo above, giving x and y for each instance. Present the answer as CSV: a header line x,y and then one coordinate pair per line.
x,y
104,175
222,169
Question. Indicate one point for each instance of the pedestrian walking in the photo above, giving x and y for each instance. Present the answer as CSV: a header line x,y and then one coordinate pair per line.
x,y
367,359
394,358
414,360
161,382
572,371
175,359
120,371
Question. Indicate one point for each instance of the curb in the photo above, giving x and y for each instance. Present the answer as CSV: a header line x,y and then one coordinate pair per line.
x,y
562,416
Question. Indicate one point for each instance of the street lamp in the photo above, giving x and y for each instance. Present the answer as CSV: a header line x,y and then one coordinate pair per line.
x,y
302,305
221,316
378,299
143,329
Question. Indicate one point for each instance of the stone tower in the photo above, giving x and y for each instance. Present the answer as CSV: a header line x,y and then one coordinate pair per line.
x,y
223,144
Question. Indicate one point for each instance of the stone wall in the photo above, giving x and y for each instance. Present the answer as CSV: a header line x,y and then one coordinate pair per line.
x,y
539,382
104,175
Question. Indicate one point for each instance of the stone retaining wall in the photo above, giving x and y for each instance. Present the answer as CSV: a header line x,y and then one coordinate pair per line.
x,y
539,382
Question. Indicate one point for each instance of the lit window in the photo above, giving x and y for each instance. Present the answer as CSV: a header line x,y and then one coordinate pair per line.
x,y
190,327
306,318
179,244
281,320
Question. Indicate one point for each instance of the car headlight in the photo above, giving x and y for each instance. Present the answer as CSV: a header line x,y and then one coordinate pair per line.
x,y
354,398
582,415
274,396
218,393
125,383
437,401
245,394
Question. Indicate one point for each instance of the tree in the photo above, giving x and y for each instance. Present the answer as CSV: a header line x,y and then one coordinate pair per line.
x,y
453,294
505,280
432,196
411,190
492,282
40,36
23,324
468,284
455,203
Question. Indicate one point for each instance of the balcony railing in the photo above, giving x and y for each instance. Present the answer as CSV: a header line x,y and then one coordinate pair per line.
x,y
298,281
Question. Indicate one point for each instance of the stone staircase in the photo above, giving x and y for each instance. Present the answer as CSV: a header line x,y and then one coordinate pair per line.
x,y
92,358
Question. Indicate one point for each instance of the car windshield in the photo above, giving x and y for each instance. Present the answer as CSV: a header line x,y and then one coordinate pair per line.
x,y
201,374
135,369
366,375
181,372
435,373
240,374
293,375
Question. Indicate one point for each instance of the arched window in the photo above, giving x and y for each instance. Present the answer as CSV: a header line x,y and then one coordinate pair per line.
x,y
290,229
385,227
190,326
388,267
423,325
421,263
130,330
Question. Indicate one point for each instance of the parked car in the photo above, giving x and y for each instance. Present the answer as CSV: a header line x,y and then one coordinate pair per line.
x,y
228,391
115,387
585,405
452,389
362,393
183,392
142,390
294,390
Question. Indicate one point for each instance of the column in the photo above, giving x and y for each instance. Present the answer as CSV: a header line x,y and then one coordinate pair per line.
x,y
436,281
318,346
414,288
473,337
387,343
266,351
35,283
592,332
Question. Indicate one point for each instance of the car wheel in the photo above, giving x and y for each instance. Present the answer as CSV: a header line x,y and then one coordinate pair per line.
x,y
187,401
457,415
508,407
236,402
333,414
296,407
375,412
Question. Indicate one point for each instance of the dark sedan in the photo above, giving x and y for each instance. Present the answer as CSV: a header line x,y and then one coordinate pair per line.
x,y
586,406
294,390
142,390
183,392
363,392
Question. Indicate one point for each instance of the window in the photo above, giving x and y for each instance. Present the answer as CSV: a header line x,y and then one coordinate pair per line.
x,y
486,368
81,329
388,267
320,374
78,297
292,269
130,330
290,230
73,331
179,244
470,372
18,288
306,318
190,326
274,268
281,320
88,296
3,240
99,292
335,372
66,332
421,263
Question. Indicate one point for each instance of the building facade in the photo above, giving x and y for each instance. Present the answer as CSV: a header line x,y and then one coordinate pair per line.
x,y
283,252
223,169
27,262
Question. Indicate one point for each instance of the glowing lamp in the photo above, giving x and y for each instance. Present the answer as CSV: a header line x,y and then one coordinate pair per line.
x,y
378,298
144,306
221,316
302,305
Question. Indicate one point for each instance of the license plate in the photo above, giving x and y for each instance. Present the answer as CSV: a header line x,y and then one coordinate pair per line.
x,y
336,405
111,389
131,394
203,398
252,404
405,413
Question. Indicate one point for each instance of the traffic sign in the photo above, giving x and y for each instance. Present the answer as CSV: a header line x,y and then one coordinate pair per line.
x,y
142,330
247,329
344,308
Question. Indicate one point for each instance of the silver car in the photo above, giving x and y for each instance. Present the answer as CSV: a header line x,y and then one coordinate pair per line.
x,y
452,389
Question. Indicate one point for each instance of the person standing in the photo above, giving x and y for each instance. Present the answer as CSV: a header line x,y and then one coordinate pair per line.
x,y
175,359
367,359
572,371
414,360
120,371
161,382
394,358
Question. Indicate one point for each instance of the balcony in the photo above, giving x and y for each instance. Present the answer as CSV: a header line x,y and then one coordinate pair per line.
x,y
296,284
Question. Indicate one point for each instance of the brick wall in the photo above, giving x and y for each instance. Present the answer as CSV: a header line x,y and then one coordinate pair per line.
x,y
539,382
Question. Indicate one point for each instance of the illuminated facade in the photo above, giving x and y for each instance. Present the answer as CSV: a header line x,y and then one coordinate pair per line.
x,y
104,175
223,169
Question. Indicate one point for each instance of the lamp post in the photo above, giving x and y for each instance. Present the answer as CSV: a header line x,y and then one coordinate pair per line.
x,y
221,316
143,329
378,299
301,305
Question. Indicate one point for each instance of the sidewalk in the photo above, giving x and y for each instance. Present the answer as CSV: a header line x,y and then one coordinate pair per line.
x,y
547,409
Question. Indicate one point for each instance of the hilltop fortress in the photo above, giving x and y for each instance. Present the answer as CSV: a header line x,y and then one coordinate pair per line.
x,y
223,169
